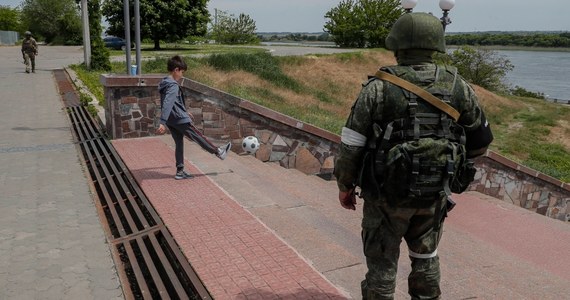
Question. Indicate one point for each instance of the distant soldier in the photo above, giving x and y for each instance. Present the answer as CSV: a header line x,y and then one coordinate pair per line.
x,y
29,51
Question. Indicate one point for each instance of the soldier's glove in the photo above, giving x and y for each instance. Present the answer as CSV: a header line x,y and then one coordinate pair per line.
x,y
347,199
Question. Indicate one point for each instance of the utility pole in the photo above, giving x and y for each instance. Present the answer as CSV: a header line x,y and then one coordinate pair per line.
x,y
127,20
86,35
138,35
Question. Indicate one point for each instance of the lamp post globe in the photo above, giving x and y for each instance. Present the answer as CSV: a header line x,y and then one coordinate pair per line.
x,y
446,5
408,5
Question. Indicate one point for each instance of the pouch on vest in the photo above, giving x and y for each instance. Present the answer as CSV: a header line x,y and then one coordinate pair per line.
x,y
415,171
369,175
464,176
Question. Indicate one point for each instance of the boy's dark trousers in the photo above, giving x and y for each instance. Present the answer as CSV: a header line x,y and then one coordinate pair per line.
x,y
178,132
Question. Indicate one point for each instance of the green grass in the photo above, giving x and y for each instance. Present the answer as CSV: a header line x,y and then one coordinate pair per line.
x,y
528,141
264,65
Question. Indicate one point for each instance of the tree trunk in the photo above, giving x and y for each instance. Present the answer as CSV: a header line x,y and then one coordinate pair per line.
x,y
157,44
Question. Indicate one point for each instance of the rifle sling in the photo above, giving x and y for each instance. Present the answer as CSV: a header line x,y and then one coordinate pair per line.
x,y
427,96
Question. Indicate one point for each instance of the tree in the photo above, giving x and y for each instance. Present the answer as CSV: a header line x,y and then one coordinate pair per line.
x,y
160,19
10,19
483,67
362,23
229,29
99,53
55,20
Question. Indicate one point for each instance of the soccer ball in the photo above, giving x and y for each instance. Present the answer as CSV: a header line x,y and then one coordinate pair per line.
x,y
250,144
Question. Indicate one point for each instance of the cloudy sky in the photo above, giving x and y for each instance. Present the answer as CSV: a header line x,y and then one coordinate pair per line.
x,y
468,15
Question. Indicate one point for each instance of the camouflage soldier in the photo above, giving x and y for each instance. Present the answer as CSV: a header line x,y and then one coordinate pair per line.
x,y
407,156
29,51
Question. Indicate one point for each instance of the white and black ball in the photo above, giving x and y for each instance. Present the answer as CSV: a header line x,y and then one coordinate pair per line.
x,y
250,144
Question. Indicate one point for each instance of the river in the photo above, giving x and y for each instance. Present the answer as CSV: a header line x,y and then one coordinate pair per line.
x,y
540,71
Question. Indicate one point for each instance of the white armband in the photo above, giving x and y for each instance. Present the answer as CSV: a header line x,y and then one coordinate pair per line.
x,y
352,138
423,256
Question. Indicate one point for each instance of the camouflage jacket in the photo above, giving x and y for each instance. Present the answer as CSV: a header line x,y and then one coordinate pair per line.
x,y
380,102
29,45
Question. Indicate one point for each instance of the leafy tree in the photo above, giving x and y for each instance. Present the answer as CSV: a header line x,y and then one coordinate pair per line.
x,y
99,53
483,67
54,20
10,19
160,19
362,23
229,29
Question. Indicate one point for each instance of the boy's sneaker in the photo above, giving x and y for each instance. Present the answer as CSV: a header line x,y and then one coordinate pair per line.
x,y
183,175
223,151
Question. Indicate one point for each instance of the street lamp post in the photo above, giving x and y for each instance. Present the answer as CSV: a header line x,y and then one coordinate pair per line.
x,y
445,5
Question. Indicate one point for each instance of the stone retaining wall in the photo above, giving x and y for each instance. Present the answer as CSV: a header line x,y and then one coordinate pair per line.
x,y
133,110
511,182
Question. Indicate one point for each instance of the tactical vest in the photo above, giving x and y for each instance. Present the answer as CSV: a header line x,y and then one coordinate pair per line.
x,y
417,150
27,46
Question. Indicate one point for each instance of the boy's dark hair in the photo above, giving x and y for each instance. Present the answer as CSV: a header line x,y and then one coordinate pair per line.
x,y
176,62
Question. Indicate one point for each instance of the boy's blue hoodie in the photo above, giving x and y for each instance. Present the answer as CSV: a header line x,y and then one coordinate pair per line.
x,y
172,103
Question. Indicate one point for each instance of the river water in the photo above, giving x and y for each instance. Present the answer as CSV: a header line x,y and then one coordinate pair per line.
x,y
540,71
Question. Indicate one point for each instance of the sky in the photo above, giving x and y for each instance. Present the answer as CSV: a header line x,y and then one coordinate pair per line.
x,y
466,16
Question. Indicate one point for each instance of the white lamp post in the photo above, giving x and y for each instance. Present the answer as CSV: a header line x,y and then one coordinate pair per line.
x,y
446,6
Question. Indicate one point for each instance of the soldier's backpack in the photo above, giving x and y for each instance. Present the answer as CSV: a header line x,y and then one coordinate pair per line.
x,y
421,156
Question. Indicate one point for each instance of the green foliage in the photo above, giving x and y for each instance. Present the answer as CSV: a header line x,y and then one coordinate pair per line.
x,y
263,65
85,100
362,23
296,37
91,81
482,67
99,53
10,19
56,21
522,92
228,29
510,39
160,20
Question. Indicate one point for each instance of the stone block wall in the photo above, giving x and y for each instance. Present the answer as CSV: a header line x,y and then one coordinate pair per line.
x,y
511,182
133,110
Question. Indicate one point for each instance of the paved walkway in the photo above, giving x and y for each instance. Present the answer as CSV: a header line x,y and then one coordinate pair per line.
x,y
490,250
52,245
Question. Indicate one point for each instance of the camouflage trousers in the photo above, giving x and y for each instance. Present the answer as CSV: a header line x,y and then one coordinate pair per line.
x,y
30,58
383,228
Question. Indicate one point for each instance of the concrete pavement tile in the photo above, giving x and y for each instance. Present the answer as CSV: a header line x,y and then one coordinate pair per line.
x,y
81,290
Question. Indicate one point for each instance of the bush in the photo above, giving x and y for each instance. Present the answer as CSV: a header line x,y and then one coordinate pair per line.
x,y
522,92
482,67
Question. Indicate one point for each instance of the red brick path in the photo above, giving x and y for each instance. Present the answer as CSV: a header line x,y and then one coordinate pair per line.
x,y
234,254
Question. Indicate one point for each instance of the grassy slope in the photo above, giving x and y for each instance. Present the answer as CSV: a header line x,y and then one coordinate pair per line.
x,y
532,132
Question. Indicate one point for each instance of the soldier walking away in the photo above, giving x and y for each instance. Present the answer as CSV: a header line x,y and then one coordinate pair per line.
x,y
178,120
29,51
408,143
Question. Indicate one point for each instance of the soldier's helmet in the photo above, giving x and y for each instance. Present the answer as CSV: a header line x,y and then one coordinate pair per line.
x,y
27,33
416,31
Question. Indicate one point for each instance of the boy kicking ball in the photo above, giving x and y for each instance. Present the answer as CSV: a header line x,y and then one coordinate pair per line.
x,y
178,120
